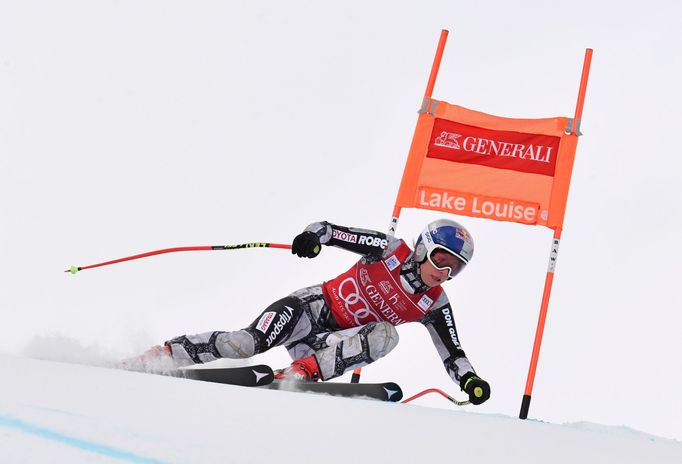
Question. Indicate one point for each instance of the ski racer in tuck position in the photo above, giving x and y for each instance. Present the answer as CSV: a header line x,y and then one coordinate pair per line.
x,y
349,321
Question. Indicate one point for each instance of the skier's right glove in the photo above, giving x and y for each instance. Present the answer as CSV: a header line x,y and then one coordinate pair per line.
x,y
477,389
306,245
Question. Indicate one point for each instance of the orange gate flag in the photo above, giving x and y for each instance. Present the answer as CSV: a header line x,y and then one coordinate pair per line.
x,y
470,163
474,164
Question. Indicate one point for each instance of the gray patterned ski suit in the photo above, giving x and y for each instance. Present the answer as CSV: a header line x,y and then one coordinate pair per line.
x,y
311,322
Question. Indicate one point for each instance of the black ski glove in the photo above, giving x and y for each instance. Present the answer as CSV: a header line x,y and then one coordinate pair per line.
x,y
306,245
477,389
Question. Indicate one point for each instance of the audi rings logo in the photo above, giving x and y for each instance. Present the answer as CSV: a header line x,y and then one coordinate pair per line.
x,y
355,304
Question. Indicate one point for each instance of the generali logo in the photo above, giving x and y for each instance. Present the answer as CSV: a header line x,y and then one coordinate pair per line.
x,y
534,153
483,146
448,140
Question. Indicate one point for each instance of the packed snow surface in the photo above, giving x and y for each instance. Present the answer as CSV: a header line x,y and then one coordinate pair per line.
x,y
59,412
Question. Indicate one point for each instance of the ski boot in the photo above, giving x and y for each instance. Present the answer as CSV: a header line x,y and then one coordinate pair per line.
x,y
158,359
305,369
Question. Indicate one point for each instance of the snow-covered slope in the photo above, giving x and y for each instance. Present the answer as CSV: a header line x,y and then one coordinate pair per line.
x,y
58,412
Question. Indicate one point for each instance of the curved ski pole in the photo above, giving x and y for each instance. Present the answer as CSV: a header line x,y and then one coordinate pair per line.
x,y
440,392
75,269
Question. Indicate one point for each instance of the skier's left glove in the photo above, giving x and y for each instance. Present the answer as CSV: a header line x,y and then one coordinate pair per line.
x,y
306,245
477,389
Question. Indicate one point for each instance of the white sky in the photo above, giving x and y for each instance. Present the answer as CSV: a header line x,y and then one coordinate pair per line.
x,y
128,126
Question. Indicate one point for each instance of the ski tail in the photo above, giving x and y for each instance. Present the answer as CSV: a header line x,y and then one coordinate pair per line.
x,y
246,376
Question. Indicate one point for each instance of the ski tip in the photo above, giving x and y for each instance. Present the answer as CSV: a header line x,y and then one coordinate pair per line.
x,y
393,392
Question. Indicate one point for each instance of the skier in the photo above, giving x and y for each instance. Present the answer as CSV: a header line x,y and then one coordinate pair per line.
x,y
349,322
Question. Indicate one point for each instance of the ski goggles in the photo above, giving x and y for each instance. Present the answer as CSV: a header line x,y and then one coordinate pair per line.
x,y
442,259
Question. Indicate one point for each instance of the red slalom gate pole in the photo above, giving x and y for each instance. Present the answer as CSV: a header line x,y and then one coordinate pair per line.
x,y
549,279
75,269
435,66
582,90
436,63
528,391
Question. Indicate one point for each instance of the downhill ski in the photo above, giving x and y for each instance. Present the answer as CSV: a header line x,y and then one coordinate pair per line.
x,y
386,391
247,376
262,376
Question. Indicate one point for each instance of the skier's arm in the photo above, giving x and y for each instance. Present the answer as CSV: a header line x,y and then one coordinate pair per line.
x,y
368,243
441,326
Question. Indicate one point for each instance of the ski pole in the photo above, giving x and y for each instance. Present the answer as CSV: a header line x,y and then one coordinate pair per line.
x,y
75,269
440,392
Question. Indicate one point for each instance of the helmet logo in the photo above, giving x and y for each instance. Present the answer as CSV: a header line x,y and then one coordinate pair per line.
x,y
462,234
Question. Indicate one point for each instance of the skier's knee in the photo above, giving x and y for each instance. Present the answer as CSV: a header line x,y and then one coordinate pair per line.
x,y
382,340
236,345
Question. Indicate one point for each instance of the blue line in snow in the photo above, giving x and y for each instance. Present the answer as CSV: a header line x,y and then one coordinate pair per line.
x,y
11,422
